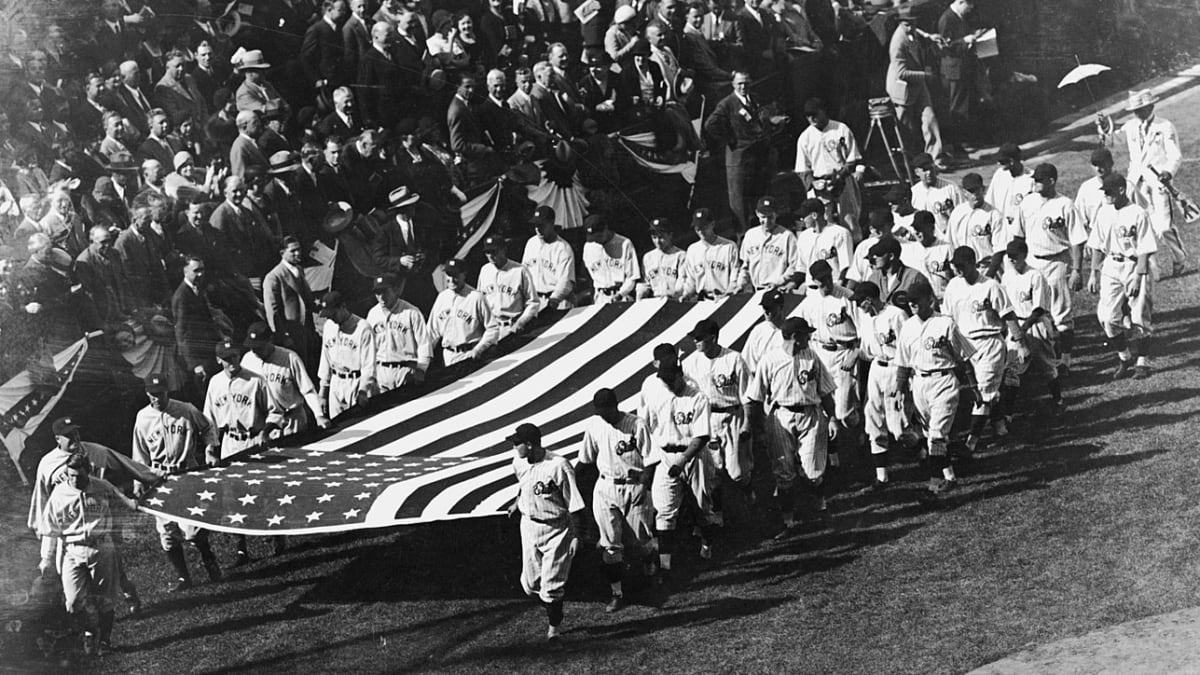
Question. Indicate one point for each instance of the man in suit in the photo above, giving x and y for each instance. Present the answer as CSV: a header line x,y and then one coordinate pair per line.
x,y
410,51
398,249
134,104
245,151
521,102
756,28
356,38
232,227
363,169
467,137
958,69
907,82
741,125
256,93
381,81
178,95
331,177
157,146
288,302
87,112
321,51
601,96
552,109
143,266
281,199
196,332
342,122
98,270
205,75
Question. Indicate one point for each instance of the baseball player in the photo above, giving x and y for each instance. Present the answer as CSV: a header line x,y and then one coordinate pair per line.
x,y
618,444
928,350
550,505
934,194
1055,237
1154,161
1010,183
885,414
171,436
977,224
879,225
1090,198
80,512
653,389
981,310
289,388
828,310
460,321
764,337
1123,248
721,375
347,367
402,352
899,201
508,287
679,430
610,260
789,402
51,471
1029,293
832,243
826,152
769,253
550,261
713,266
935,255
664,265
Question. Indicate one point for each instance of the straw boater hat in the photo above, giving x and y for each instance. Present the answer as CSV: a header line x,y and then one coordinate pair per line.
x,y
402,196
1141,98
253,60
283,162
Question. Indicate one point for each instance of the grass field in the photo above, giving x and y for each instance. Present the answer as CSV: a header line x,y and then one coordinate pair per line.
x,y
1078,522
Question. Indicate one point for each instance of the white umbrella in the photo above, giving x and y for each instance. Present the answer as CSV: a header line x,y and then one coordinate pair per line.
x,y
1082,72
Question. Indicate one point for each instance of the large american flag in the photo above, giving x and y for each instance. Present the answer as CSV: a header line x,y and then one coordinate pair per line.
x,y
444,456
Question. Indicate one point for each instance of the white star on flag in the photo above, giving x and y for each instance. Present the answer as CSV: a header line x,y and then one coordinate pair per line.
x,y
164,490
336,462
254,481
237,518
324,498
212,480
286,499
352,513
275,519
292,483
363,495
154,501
334,484
195,510
315,515
206,495
247,500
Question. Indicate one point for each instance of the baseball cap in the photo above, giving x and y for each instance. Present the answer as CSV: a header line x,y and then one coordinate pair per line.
x,y
494,243
1016,247
964,256
972,182
526,433
1045,172
384,281
701,217
880,220
923,161
820,270
810,206
331,301
454,267
660,227
923,219
884,246
542,215
919,289
667,370
594,224
156,383
664,350
1113,183
813,106
705,328
898,194
604,399
864,290
765,205
793,325
64,425
228,351
258,334
772,299
1008,151
1101,156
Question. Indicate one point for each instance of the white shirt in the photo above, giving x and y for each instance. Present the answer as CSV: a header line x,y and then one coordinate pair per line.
x,y
977,308
665,272
1005,192
723,378
713,269
770,259
939,199
826,151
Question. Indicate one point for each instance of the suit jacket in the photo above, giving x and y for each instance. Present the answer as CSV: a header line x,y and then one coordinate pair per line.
x,y
132,109
381,89
181,100
42,141
957,60
554,114
499,123
143,268
244,153
631,83
332,125
738,125
321,52
390,245
907,81
100,277
334,185
523,104
466,131
287,299
195,329
411,60
207,83
594,93
253,97
233,234
153,148
271,142
288,209
356,40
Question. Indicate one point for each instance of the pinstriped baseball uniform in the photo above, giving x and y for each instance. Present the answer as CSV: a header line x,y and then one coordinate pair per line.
x,y
510,295
84,521
769,259
289,388
172,440
674,420
1122,235
401,337
613,267
834,342
935,265
806,243
1051,228
835,245
983,229
1028,292
546,496
1005,192
791,387
938,199
665,272
763,339
977,310
237,406
883,412
552,266
462,324
928,347
713,269
723,380
347,364
619,500
1090,198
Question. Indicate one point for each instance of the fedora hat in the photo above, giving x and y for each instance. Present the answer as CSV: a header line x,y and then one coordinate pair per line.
x,y
402,196
121,161
283,162
1141,98
253,60
337,218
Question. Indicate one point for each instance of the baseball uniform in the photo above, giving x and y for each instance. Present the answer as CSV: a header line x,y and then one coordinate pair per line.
x,y
401,343
939,199
1051,228
620,502
713,270
978,310
806,244
173,440
982,229
1029,292
347,367
860,267
825,152
764,338
931,348
1153,144
510,294
462,324
885,411
1090,198
1122,235
552,266
769,258
1005,193
613,268
674,420
237,407
665,272
834,341
934,263
790,388
546,497
289,389
834,244
723,380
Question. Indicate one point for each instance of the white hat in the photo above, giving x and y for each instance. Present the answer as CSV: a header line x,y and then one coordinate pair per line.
x,y
624,13
1141,98
181,159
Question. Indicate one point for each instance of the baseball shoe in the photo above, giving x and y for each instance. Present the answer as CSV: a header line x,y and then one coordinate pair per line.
x,y
615,604
943,486
90,644
1123,370
135,604
242,560
1141,372
180,585
705,552
552,633
787,531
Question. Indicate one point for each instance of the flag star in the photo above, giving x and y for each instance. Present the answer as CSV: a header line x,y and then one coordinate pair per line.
x,y
315,453
235,475
296,460
274,476
195,510
218,469
374,475
254,481
317,467
324,498
275,519
295,473
247,500
212,480
154,502
356,469
172,477
333,484
206,496
352,513
336,462
371,464
371,484
292,483
363,495
286,499
256,471
315,515
237,518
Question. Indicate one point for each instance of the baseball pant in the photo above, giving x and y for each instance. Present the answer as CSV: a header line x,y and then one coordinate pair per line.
x,y
545,557
451,357
171,534
885,414
91,573
231,446
1055,270
389,377
730,450
988,362
1039,351
623,514
1117,311
845,397
1158,204
935,397
343,394
797,438
667,493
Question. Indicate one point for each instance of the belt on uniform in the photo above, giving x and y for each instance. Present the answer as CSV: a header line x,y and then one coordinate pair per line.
x,y
620,481
931,373
544,295
725,408
838,344
882,362
1117,257
241,435
674,448
506,320
91,542
547,521
799,407
346,373
464,347
1049,256
611,290
394,364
